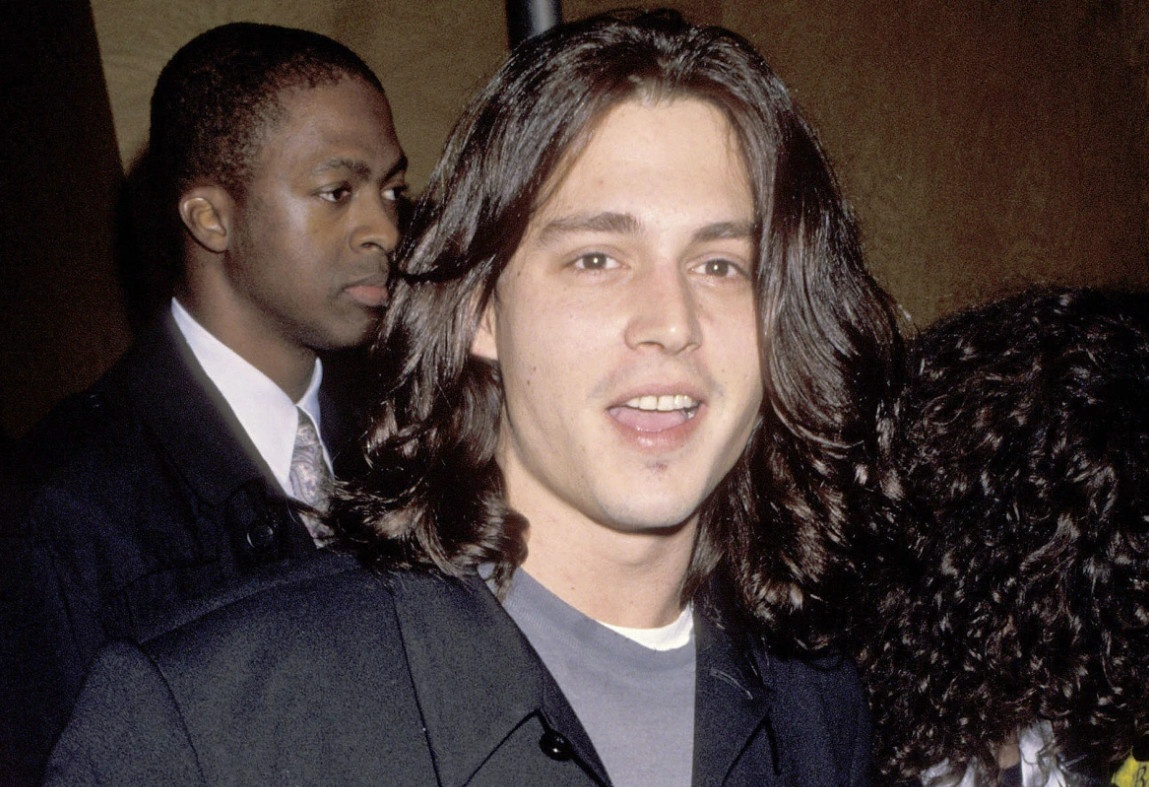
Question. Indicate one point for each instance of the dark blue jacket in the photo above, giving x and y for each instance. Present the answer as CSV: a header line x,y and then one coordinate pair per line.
x,y
130,499
341,676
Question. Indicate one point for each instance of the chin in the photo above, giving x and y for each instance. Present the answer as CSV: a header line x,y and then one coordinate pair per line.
x,y
344,338
662,522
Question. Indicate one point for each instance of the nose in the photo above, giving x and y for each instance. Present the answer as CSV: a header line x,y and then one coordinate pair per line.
x,y
664,312
377,229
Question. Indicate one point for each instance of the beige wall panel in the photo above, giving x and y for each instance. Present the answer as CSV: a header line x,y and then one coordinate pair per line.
x,y
985,145
699,11
429,55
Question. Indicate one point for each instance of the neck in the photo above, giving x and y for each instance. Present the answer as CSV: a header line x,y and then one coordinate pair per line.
x,y
1008,754
288,365
620,578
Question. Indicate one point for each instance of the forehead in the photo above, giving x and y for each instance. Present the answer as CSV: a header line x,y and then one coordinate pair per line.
x,y
659,156
315,120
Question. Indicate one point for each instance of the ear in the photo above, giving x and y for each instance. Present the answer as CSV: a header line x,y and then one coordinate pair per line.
x,y
207,213
483,344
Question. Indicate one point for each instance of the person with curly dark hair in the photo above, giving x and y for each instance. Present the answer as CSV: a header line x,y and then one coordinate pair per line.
x,y
629,382
1014,586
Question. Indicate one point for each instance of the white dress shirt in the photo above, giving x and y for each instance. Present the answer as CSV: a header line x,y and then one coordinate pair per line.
x,y
264,411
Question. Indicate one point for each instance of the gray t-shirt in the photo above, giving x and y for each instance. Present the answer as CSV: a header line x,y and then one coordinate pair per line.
x,y
637,704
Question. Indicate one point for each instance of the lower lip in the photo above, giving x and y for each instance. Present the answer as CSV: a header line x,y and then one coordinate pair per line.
x,y
667,439
369,295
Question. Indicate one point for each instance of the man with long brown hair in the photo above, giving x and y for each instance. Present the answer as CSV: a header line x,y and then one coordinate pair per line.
x,y
629,382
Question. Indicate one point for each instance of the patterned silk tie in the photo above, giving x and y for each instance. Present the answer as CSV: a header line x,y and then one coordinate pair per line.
x,y
310,478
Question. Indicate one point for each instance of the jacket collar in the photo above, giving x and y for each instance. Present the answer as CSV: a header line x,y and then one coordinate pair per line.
x,y
478,679
475,674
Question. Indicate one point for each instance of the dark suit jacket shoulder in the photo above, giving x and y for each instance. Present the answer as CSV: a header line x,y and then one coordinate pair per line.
x,y
341,676
129,499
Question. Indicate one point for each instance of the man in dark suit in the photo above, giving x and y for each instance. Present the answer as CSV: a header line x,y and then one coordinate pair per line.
x,y
200,458
632,375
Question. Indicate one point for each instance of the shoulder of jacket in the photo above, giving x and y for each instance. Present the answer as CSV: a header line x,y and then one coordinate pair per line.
x,y
90,422
326,582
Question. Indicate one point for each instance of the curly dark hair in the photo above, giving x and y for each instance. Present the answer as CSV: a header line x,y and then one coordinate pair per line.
x,y
774,536
1014,583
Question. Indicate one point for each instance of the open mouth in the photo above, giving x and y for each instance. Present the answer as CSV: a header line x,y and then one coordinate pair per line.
x,y
656,413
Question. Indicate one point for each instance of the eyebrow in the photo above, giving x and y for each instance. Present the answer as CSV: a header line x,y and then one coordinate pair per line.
x,y
734,230
398,167
628,224
360,167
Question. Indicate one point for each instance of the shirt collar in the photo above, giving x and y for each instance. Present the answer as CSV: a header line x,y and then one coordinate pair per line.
x,y
262,408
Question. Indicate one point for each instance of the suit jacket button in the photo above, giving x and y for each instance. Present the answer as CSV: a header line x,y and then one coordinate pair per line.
x,y
555,746
261,534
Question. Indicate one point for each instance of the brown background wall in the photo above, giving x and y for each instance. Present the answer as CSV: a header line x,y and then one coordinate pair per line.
x,y
985,145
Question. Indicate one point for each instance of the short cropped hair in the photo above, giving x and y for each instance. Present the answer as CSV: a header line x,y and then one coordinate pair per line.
x,y
212,107
220,93
1017,582
773,537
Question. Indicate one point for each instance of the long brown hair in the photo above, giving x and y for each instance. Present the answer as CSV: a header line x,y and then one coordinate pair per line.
x,y
774,535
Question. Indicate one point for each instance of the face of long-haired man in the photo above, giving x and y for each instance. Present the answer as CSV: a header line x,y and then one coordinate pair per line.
x,y
626,334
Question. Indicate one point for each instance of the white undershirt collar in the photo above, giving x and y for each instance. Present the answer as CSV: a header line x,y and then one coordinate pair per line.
x,y
262,408
673,635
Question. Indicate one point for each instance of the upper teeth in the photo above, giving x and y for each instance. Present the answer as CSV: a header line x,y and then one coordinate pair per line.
x,y
663,403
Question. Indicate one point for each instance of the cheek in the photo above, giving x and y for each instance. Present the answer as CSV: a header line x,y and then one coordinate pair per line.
x,y
737,344
532,327
299,236
527,349
542,354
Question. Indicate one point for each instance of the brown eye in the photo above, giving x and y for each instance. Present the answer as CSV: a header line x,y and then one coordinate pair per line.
x,y
336,193
394,193
721,268
594,261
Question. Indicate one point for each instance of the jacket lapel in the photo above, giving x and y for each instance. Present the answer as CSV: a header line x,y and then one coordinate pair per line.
x,y
249,518
189,417
732,701
476,677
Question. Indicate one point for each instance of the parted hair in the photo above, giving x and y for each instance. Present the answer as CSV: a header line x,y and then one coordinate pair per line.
x,y
1016,580
774,535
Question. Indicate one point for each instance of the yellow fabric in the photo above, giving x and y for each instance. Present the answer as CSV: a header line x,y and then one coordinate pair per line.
x,y
1133,773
